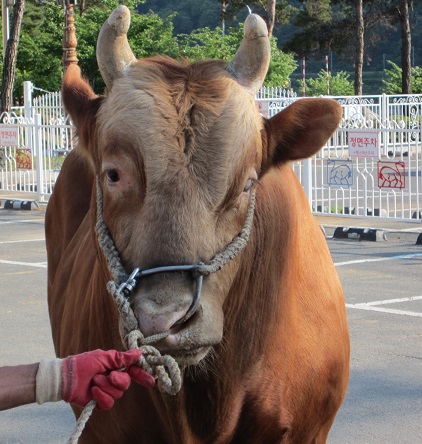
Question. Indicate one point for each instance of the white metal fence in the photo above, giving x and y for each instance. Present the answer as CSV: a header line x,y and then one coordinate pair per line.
x,y
31,153
370,167
34,140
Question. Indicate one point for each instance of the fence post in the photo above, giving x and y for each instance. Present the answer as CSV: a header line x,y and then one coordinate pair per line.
x,y
39,157
307,179
385,118
28,88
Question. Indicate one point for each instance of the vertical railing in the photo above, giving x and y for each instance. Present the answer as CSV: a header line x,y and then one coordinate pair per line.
x,y
397,122
396,119
38,148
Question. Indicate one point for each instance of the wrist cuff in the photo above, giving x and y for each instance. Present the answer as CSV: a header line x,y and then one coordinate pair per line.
x,y
48,381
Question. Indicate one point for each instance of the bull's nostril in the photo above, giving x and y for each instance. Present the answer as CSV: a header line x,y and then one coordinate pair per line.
x,y
195,303
188,315
185,321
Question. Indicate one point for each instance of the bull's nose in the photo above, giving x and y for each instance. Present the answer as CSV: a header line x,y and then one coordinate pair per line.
x,y
153,318
166,300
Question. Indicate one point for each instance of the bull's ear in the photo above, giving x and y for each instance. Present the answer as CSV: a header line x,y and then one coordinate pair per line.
x,y
299,131
80,102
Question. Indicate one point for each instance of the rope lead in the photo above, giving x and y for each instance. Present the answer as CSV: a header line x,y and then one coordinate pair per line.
x,y
164,368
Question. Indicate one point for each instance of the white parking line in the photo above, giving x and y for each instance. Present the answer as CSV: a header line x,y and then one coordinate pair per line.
x,y
378,259
386,310
410,230
21,221
25,264
391,301
24,240
374,306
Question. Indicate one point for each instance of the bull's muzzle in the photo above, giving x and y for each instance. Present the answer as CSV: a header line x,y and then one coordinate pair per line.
x,y
129,286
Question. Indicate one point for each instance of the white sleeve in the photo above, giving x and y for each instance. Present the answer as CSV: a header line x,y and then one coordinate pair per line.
x,y
48,381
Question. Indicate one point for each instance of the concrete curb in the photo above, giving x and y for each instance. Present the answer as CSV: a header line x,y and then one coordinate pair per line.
x,y
12,204
368,234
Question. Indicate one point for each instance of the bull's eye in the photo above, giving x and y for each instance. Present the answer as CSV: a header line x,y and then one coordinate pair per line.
x,y
248,185
113,176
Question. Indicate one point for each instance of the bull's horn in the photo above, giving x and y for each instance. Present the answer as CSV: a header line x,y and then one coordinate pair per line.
x,y
250,63
113,51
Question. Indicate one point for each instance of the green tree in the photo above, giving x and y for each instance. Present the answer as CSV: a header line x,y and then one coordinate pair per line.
x,y
206,43
187,14
350,28
340,85
282,65
406,42
40,49
212,44
359,46
393,83
148,35
274,12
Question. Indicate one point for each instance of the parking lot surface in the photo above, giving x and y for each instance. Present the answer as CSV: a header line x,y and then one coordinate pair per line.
x,y
382,285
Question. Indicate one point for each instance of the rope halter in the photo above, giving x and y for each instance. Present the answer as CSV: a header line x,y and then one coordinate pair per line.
x,y
164,368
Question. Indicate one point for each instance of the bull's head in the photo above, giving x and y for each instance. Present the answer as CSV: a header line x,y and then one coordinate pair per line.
x,y
178,150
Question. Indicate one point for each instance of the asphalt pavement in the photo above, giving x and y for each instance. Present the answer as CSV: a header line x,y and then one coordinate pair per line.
x,y
382,286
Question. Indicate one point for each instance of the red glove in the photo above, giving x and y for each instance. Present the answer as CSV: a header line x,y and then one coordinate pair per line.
x,y
92,375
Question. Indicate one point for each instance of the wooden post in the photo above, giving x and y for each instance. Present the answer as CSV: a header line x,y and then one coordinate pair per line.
x,y
69,37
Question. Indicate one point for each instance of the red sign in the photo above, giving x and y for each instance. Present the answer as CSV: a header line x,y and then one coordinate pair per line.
x,y
391,174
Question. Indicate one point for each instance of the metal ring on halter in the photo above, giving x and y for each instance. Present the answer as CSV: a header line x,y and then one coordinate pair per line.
x,y
127,287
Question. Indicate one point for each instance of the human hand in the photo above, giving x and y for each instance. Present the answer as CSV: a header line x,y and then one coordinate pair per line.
x,y
94,375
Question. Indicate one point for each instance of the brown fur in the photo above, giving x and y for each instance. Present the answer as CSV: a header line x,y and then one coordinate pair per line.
x,y
185,139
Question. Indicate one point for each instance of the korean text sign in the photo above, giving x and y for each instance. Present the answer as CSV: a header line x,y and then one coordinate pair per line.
x,y
363,144
9,136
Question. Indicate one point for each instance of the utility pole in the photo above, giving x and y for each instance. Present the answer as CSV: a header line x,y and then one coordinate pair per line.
x,y
5,4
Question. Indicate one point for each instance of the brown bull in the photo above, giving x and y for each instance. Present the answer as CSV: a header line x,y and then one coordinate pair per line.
x,y
178,151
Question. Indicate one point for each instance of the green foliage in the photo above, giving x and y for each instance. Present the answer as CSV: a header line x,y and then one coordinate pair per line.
x,y
393,83
211,44
205,43
320,11
187,14
148,35
40,49
282,65
340,85
236,10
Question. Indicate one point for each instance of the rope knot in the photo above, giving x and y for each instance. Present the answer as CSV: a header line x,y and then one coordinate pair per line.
x,y
133,340
164,368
